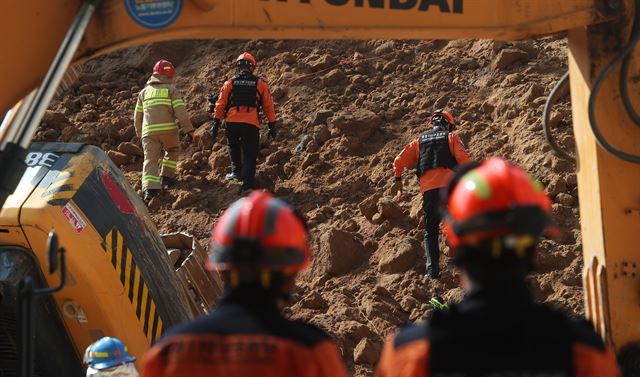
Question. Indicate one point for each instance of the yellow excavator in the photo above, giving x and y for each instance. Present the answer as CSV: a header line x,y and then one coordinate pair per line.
x,y
120,279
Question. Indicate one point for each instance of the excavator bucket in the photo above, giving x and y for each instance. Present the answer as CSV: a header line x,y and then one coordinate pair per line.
x,y
188,258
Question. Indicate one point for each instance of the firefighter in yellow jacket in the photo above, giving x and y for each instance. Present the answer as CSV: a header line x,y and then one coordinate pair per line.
x,y
159,114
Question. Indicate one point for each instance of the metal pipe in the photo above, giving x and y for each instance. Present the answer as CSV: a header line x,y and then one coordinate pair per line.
x,y
9,128
56,72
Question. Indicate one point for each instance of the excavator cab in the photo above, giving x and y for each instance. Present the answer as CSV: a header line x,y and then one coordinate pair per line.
x,y
121,280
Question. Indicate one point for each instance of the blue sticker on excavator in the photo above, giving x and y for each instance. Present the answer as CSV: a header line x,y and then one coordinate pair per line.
x,y
154,14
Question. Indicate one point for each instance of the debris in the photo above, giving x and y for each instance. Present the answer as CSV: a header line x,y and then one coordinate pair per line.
x,y
401,258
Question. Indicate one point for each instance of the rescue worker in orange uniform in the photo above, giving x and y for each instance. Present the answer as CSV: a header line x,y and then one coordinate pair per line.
x,y
159,114
259,244
435,153
239,103
496,214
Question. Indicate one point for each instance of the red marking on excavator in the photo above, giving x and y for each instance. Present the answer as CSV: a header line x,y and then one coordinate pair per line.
x,y
119,198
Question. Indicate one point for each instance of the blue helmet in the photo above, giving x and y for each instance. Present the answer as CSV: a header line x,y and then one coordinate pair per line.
x,y
106,353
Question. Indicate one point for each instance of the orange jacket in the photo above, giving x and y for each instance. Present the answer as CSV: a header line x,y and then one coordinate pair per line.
x,y
506,331
244,336
246,114
432,178
413,360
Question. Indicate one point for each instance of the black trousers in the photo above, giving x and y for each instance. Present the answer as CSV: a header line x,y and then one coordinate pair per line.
x,y
432,218
243,140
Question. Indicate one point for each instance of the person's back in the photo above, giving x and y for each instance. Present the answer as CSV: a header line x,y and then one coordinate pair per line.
x,y
495,216
245,336
259,244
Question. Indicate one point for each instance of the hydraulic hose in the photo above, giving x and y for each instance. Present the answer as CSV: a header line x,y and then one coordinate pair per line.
x,y
551,100
624,74
635,37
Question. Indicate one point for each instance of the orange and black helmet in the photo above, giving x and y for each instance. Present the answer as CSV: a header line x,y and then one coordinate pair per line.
x,y
442,118
260,232
495,201
246,57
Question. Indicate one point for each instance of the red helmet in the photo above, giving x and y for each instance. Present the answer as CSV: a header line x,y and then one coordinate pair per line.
x,y
492,200
444,118
260,230
245,56
163,67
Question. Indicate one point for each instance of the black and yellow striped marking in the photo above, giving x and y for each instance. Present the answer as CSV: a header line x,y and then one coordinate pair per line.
x,y
65,185
136,289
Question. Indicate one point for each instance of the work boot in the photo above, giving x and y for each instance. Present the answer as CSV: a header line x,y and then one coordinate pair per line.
x,y
150,194
431,275
168,181
233,176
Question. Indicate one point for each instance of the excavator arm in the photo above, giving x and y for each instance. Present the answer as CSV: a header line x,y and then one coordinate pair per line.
x,y
599,32
118,24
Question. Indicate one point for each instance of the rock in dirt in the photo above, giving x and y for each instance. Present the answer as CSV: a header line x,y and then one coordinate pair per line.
x,y
322,134
385,48
361,123
312,147
87,116
219,161
314,300
381,230
333,77
366,352
119,158
369,206
507,57
321,116
185,199
556,186
354,331
323,62
287,58
50,135
129,148
278,157
401,258
55,119
565,199
68,133
199,117
389,209
202,136
310,160
340,253
534,91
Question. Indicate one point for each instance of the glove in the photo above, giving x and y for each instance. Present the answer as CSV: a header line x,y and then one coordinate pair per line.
x,y
438,303
396,186
215,126
212,99
272,131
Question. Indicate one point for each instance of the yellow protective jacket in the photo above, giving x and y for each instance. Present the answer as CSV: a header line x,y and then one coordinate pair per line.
x,y
160,109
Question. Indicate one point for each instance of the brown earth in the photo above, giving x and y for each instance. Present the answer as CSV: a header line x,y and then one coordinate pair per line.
x,y
346,108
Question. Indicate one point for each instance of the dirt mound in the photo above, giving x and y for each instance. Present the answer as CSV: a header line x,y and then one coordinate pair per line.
x,y
346,108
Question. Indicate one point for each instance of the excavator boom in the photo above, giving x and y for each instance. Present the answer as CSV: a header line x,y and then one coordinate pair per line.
x,y
118,24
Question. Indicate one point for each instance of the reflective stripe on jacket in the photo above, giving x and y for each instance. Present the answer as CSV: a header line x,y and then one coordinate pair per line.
x,y
159,105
